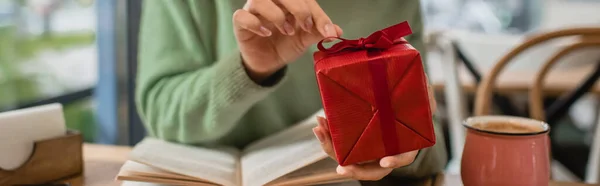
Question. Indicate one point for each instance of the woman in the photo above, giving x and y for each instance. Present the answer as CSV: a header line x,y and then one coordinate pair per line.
x,y
233,71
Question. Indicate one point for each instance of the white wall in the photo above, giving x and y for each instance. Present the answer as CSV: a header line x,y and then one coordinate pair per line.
x,y
560,13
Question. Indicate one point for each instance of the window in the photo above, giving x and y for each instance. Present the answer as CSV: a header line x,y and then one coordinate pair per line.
x,y
48,52
488,16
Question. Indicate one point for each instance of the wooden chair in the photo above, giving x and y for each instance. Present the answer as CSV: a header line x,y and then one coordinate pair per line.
x,y
537,106
484,91
455,102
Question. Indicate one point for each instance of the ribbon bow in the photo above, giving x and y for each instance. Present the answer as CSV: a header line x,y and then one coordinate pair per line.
x,y
381,39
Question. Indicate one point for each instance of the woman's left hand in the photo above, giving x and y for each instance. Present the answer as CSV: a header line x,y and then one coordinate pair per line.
x,y
374,170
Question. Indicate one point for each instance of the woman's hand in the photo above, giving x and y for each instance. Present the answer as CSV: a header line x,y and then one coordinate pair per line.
x,y
273,33
374,170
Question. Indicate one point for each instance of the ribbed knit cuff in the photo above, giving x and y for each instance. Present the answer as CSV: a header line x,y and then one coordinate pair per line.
x,y
233,80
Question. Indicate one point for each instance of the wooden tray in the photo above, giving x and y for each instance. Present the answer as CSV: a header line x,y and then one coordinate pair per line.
x,y
51,160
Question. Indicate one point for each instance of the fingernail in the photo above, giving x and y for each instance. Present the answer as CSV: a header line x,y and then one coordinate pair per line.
x,y
340,170
323,123
308,23
387,164
320,121
317,134
265,31
289,30
329,30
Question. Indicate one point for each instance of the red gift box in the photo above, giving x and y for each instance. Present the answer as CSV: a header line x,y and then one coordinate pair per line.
x,y
374,94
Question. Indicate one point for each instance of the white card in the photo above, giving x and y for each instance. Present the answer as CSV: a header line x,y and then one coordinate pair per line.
x,y
19,129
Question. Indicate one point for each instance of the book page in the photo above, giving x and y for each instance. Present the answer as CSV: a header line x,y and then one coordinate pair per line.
x,y
136,183
132,168
217,165
140,173
281,154
318,173
303,127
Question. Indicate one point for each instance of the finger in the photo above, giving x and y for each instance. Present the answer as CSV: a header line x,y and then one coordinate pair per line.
x,y
399,160
272,13
339,33
324,129
300,11
326,136
323,123
326,145
244,20
370,171
318,134
432,101
322,22
339,30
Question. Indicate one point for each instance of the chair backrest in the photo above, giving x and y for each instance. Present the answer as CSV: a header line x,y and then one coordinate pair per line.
x,y
484,91
536,104
536,94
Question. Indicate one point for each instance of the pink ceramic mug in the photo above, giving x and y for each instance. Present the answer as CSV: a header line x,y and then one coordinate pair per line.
x,y
505,150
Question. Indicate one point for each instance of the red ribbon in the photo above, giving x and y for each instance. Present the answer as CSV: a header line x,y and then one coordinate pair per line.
x,y
383,104
382,39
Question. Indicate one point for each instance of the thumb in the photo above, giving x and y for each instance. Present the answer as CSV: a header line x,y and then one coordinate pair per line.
x,y
314,37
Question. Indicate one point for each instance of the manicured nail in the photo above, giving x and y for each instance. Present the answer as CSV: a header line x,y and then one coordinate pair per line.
x,y
289,30
329,30
308,23
387,164
340,170
266,32
317,134
322,122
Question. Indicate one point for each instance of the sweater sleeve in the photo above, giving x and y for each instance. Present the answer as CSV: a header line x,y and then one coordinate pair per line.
x,y
183,93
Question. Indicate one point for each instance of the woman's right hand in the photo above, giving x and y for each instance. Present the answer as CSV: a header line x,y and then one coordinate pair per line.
x,y
273,33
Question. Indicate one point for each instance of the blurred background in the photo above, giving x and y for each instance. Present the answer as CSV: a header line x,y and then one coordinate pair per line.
x,y
47,50
82,53
67,51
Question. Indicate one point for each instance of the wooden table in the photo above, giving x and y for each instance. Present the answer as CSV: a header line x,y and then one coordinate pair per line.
x,y
558,81
102,163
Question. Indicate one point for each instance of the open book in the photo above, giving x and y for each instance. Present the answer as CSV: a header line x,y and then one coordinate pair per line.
x,y
290,157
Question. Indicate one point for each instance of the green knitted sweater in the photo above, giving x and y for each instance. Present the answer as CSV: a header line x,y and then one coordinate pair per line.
x,y
193,89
